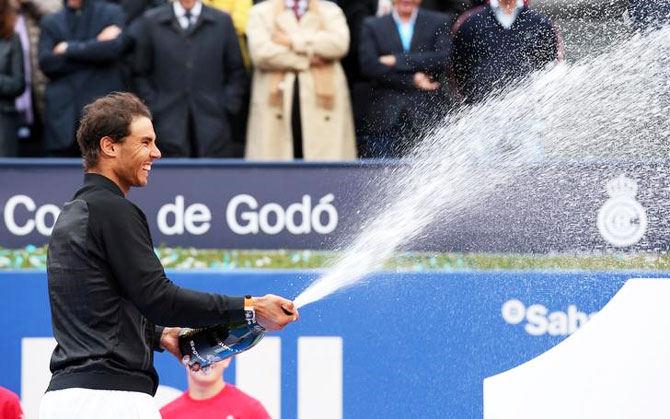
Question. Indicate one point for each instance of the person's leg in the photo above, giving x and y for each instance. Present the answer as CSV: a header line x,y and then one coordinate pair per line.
x,y
296,124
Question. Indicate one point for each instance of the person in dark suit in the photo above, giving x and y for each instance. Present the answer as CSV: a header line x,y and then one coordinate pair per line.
x,y
648,13
500,44
189,69
12,80
79,51
404,55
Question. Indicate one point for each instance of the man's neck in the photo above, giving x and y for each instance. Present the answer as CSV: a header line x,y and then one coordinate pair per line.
x,y
197,392
109,174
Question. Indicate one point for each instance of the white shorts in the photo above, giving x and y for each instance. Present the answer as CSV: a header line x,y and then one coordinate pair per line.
x,y
84,403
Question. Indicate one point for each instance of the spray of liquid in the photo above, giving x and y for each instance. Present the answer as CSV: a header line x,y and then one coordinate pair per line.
x,y
614,103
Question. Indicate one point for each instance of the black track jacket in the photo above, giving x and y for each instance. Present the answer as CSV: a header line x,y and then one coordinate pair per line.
x,y
107,289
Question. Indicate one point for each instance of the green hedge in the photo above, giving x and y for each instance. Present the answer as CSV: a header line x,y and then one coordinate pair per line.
x,y
32,257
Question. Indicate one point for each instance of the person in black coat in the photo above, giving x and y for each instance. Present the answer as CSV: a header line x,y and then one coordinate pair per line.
x,y
79,51
407,74
12,80
493,48
190,72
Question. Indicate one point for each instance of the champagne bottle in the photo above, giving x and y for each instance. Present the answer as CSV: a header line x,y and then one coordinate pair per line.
x,y
215,343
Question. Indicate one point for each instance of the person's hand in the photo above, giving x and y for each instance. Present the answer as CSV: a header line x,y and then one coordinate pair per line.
x,y
388,60
274,312
110,33
60,48
317,61
423,82
170,341
280,37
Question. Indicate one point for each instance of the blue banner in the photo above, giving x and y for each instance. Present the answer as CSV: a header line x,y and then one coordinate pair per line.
x,y
401,345
243,205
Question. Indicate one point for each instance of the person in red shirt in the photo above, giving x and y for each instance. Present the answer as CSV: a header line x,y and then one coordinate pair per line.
x,y
10,408
208,396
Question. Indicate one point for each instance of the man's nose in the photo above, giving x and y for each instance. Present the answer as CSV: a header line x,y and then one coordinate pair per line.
x,y
155,152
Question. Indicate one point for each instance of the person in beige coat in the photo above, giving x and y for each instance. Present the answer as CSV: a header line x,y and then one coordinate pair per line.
x,y
302,41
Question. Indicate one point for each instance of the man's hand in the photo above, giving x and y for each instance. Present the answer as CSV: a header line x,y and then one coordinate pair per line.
x,y
110,33
274,312
423,82
280,37
388,60
170,341
60,48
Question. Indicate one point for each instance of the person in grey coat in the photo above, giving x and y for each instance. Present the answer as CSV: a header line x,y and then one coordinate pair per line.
x,y
79,51
12,80
189,70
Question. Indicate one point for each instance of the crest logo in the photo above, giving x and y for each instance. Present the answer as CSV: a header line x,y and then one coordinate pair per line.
x,y
622,221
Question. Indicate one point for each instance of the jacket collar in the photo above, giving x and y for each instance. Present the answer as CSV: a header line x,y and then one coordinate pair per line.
x,y
166,15
94,179
418,26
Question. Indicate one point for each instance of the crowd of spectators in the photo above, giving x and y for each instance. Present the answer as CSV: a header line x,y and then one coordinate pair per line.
x,y
275,80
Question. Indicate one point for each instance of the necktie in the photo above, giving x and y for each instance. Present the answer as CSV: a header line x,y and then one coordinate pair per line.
x,y
296,9
188,17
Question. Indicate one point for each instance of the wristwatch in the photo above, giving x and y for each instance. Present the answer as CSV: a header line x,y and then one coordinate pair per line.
x,y
249,312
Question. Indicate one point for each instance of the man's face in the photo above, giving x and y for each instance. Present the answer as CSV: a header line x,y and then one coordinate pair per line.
x,y
75,4
136,153
405,7
187,4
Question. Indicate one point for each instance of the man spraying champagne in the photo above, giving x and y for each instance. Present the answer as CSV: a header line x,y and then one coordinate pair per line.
x,y
107,288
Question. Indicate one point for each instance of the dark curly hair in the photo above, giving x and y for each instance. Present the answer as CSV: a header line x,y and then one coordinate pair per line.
x,y
108,116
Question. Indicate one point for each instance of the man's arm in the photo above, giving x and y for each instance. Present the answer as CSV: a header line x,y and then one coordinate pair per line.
x,y
12,84
141,277
52,65
330,42
272,312
106,47
142,280
373,69
435,61
265,53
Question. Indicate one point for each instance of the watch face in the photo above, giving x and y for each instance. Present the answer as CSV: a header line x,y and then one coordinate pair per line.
x,y
249,314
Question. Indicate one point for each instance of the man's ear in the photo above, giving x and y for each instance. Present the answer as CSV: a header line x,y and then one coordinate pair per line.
x,y
108,146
